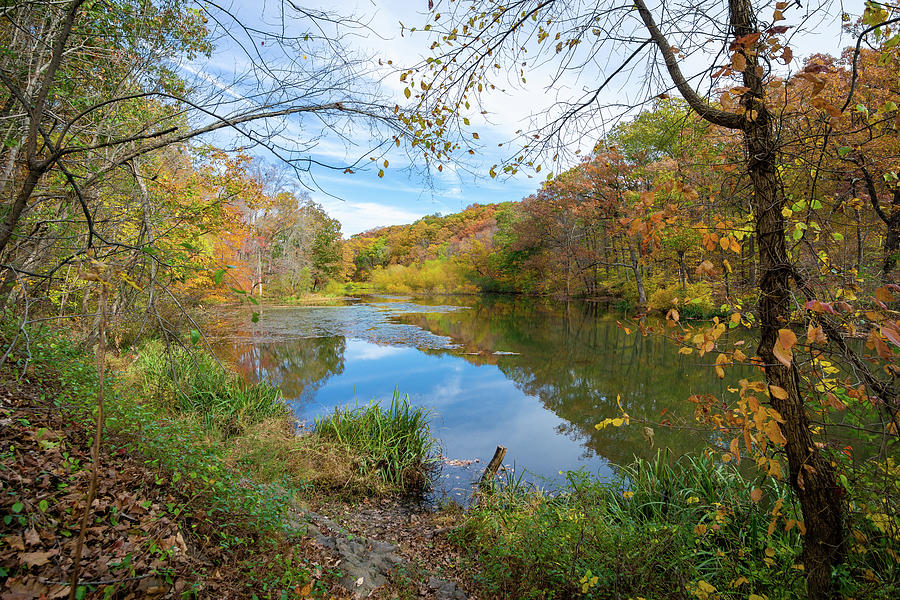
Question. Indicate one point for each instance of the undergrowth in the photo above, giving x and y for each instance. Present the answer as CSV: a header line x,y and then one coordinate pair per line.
x,y
188,381
689,529
247,525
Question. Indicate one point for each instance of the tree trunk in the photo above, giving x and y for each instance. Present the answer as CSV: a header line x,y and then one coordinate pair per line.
x,y
891,240
811,475
636,267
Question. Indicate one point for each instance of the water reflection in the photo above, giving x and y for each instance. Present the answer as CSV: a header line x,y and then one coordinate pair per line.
x,y
535,377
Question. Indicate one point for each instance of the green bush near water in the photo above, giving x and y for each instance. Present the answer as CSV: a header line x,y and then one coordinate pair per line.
x,y
687,529
192,382
394,443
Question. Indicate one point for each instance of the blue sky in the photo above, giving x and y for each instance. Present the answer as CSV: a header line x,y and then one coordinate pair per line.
x,y
362,200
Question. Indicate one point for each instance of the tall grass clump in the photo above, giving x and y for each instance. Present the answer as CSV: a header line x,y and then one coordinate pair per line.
x,y
192,382
692,528
393,443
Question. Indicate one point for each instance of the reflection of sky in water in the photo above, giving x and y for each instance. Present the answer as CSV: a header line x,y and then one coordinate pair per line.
x,y
475,408
563,369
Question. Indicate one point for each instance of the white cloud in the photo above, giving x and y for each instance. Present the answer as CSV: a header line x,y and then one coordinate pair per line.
x,y
361,350
361,216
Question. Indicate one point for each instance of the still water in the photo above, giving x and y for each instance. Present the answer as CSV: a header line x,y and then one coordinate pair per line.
x,y
532,376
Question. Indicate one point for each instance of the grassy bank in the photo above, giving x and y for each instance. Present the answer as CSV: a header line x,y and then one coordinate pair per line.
x,y
186,500
694,528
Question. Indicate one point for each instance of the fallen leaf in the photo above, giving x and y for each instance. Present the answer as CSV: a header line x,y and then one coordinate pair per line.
x,y
37,559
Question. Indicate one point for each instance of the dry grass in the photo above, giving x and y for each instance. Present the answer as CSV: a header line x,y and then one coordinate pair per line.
x,y
272,450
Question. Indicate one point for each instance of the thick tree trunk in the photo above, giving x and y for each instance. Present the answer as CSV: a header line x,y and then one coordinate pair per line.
x,y
811,475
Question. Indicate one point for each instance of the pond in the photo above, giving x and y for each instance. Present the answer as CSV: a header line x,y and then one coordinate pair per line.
x,y
530,375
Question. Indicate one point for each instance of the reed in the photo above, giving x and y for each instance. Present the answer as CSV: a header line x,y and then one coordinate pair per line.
x,y
192,382
393,442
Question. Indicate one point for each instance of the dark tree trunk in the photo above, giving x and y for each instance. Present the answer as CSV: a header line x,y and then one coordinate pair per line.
x,y
891,240
811,475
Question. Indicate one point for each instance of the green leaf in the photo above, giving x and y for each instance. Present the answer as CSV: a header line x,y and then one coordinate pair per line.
x,y
844,151
255,317
815,204
218,276
195,337
17,507
253,300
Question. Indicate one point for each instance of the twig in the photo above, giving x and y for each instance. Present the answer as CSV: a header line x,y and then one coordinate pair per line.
x,y
95,451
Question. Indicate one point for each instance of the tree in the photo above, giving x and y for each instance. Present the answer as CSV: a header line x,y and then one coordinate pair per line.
x,y
92,92
477,38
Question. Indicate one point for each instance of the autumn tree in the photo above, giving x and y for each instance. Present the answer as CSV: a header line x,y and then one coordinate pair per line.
x,y
478,42
93,93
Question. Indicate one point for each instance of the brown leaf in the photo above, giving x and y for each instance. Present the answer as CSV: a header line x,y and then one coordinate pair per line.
x,y
37,559
756,495
787,338
782,355
814,334
891,334
15,542
31,537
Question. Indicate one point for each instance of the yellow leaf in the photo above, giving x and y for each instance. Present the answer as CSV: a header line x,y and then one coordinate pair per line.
x,y
381,172
407,92
739,356
757,597
700,529
627,494
706,587
475,135
739,581
773,432
685,350
778,392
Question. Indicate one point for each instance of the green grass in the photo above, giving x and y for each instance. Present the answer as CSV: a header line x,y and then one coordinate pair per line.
x,y
192,382
394,443
661,529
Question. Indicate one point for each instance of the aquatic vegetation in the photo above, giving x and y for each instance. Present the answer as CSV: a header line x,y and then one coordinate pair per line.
x,y
393,442
193,382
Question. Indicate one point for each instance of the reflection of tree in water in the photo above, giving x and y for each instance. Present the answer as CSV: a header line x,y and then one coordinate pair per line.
x,y
299,366
576,359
